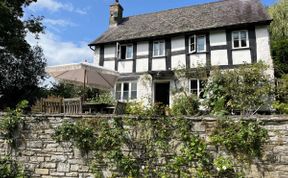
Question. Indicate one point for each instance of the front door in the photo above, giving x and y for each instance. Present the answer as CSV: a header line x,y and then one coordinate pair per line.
x,y
162,91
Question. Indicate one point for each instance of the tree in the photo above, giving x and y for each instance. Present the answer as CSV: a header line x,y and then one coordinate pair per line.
x,y
279,36
21,65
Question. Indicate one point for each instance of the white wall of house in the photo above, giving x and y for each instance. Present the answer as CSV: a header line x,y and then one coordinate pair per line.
x,y
197,60
142,48
178,44
96,56
144,89
263,48
178,61
219,57
218,38
158,64
109,65
241,56
125,67
110,51
142,65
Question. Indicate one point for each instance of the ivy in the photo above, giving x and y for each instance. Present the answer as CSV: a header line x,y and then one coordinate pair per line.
x,y
10,123
162,147
243,138
9,168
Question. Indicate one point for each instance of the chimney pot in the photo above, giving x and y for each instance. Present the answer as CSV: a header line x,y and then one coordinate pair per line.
x,y
116,13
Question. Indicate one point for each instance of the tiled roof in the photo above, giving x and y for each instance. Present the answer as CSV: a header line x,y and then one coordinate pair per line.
x,y
192,18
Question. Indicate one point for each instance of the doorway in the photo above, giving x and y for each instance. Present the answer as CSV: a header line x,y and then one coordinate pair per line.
x,y
162,93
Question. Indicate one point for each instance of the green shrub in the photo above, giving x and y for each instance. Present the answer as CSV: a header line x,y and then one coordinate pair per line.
x,y
135,108
9,125
187,105
281,108
103,98
245,89
244,139
9,168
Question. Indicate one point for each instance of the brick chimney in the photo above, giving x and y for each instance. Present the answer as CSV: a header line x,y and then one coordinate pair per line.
x,y
116,13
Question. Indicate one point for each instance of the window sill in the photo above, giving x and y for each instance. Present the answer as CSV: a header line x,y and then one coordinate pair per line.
x,y
203,52
158,57
237,49
125,59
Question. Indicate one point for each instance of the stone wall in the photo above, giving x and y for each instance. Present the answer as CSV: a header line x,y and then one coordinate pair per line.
x,y
43,157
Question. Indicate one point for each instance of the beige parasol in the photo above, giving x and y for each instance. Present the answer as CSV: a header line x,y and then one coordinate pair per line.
x,y
85,74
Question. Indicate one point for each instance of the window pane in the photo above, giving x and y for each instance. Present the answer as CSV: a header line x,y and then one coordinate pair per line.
x,y
125,95
201,43
133,95
126,87
235,36
162,49
155,49
192,44
118,95
243,39
193,84
123,52
129,53
134,86
236,43
118,87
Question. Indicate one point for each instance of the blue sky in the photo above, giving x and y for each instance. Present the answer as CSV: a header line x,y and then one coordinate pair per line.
x,y
72,24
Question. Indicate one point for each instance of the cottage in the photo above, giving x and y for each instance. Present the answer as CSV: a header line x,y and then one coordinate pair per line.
x,y
149,47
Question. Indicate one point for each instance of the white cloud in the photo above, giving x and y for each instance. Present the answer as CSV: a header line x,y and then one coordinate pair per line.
x,y
59,22
54,5
59,52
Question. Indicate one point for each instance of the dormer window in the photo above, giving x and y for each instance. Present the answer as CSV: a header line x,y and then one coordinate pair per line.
x,y
197,43
158,48
126,51
240,39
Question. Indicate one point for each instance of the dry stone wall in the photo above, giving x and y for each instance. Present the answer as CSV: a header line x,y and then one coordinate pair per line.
x,y
41,156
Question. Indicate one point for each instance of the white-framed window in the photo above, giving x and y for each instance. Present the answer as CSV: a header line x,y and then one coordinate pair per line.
x,y
197,43
158,48
126,51
197,87
126,91
240,39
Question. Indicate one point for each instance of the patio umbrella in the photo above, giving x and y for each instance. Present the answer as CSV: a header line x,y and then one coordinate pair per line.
x,y
85,74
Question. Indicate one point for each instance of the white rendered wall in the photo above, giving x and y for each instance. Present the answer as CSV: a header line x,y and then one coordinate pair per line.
x,y
178,44
159,64
142,65
218,38
178,61
241,56
125,66
197,60
109,65
263,45
219,57
142,48
109,51
97,56
144,89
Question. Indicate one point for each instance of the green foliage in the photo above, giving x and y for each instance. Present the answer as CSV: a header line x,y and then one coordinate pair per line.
x,y
135,108
104,98
80,134
9,125
279,36
243,90
244,139
279,14
9,168
21,65
138,109
162,147
184,104
279,54
281,108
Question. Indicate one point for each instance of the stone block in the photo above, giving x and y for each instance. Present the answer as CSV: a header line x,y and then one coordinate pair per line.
x,y
35,144
60,174
48,165
36,159
74,167
72,174
42,171
63,167
58,158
